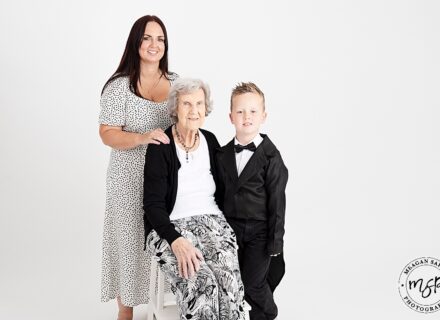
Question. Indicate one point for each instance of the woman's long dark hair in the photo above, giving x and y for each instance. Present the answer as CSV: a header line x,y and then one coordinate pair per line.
x,y
130,61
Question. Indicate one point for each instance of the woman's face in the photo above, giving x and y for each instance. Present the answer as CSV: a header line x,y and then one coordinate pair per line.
x,y
191,110
152,47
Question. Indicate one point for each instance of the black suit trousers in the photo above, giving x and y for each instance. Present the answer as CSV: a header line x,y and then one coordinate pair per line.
x,y
254,267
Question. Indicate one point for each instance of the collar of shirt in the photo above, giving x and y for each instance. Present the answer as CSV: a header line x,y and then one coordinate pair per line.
x,y
257,141
243,157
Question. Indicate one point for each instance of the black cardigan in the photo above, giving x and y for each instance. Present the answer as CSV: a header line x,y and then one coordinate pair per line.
x,y
160,184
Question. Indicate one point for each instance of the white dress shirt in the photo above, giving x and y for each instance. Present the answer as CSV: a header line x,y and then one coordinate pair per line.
x,y
242,158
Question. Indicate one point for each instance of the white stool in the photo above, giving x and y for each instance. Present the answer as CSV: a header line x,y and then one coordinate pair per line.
x,y
163,306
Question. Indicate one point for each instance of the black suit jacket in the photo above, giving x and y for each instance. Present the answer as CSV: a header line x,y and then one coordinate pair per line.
x,y
160,184
259,192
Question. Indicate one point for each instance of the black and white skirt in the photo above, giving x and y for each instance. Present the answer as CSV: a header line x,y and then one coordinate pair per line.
x,y
216,291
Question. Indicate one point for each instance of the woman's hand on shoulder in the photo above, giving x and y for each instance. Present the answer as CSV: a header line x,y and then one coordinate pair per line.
x,y
188,257
156,136
117,138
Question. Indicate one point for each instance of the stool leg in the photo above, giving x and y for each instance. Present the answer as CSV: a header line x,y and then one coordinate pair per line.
x,y
152,305
160,289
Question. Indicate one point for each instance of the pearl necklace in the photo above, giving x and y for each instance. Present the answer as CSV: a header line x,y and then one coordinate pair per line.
x,y
183,144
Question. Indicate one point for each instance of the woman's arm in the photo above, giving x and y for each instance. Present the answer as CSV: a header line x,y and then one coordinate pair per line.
x,y
116,138
156,189
112,119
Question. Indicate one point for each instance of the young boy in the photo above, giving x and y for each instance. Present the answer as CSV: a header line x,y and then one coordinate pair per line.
x,y
253,179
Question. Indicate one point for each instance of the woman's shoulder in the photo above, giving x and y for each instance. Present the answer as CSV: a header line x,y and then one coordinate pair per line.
x,y
158,152
210,137
163,147
118,84
207,133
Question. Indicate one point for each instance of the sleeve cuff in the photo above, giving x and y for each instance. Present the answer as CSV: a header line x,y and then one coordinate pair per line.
x,y
171,235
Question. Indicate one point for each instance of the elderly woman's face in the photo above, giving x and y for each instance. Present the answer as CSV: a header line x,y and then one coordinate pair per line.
x,y
191,110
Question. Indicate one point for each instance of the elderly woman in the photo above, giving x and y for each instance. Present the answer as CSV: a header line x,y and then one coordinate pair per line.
x,y
184,227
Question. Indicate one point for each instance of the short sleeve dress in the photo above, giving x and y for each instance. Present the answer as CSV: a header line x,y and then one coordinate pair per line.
x,y
125,264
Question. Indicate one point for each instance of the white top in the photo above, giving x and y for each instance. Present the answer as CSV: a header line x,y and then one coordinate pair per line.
x,y
242,158
196,186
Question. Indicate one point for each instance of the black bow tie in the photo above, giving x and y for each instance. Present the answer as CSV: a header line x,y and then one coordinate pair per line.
x,y
239,148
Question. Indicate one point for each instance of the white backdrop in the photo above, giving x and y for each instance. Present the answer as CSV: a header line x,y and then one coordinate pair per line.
x,y
352,91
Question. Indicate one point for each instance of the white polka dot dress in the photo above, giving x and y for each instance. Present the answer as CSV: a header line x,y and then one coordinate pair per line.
x,y
125,264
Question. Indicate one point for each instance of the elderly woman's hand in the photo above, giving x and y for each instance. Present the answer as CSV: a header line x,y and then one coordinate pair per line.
x,y
188,257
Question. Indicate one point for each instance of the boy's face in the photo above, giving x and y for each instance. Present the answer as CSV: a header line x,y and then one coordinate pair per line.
x,y
247,113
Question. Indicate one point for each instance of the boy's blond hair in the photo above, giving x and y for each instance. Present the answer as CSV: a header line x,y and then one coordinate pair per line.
x,y
247,87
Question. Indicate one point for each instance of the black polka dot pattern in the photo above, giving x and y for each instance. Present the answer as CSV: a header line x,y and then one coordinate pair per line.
x,y
125,265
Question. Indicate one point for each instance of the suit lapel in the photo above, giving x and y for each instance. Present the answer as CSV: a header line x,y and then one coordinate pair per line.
x,y
229,162
257,161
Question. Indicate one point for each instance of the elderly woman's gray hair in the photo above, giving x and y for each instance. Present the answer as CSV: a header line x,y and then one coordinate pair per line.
x,y
187,86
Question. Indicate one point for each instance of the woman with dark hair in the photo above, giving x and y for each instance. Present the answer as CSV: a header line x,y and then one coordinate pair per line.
x,y
133,115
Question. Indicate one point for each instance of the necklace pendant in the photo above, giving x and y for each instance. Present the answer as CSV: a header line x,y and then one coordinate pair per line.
x,y
183,143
